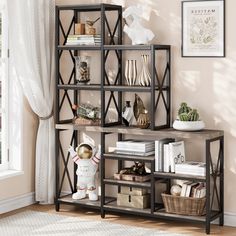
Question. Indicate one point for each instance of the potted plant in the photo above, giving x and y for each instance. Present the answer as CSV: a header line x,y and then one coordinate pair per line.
x,y
188,119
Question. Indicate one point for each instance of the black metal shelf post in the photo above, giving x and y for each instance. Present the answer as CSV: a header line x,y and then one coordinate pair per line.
x,y
63,96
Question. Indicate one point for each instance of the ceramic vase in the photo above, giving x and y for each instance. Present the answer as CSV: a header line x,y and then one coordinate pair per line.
x,y
131,72
145,76
127,113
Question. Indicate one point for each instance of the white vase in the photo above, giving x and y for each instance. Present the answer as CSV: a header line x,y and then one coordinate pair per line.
x,y
188,125
131,71
145,77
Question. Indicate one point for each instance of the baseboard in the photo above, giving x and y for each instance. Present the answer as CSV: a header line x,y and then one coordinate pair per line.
x,y
14,203
230,219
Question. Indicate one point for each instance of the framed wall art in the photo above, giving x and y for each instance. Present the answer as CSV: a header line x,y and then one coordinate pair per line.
x,y
203,28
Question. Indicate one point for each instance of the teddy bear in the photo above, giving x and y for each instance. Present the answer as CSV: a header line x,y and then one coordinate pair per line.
x,y
87,158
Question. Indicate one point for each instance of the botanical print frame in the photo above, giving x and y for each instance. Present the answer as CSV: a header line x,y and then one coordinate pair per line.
x,y
203,28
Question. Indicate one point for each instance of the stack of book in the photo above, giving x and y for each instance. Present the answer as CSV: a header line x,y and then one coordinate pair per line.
x,y
135,147
192,189
191,168
83,39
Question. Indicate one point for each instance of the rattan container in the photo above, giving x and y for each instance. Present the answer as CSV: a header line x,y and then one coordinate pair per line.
x,y
184,205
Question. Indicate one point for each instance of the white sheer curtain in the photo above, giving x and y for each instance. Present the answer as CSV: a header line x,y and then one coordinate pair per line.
x,y
31,32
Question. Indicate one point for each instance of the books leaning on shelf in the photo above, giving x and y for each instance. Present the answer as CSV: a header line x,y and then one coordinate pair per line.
x,y
167,154
191,168
83,39
193,189
135,147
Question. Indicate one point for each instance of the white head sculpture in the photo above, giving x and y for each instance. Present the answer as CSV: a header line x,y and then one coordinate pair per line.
x,y
136,32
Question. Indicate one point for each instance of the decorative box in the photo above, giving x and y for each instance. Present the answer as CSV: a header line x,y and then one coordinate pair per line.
x,y
129,177
83,121
133,201
133,191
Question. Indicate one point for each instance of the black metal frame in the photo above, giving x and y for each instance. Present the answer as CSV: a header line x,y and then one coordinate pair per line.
x,y
182,31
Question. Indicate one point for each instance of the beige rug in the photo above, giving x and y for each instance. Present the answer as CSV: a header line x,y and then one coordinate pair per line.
x,y
30,223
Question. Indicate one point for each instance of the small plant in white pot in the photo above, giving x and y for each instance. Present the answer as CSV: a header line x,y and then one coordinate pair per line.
x,y
188,119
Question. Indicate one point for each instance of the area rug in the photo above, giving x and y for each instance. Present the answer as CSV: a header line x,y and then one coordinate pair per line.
x,y
30,223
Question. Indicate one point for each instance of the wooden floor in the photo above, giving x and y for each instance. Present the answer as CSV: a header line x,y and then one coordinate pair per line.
x,y
165,225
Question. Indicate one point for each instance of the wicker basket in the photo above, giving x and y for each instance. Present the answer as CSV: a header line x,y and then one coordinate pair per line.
x,y
184,205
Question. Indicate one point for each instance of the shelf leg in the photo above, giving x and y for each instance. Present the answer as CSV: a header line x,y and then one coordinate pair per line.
x,y
221,222
57,206
208,193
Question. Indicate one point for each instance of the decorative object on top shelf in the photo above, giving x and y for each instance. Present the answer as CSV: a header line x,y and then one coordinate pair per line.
x,y
145,76
131,71
203,28
89,29
175,190
141,113
127,113
79,28
82,67
87,157
188,119
136,172
136,32
86,114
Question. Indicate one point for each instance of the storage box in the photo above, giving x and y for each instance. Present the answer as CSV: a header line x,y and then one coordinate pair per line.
x,y
133,191
184,205
133,201
137,178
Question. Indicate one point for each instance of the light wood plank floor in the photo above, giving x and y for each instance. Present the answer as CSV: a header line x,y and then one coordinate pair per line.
x,y
165,225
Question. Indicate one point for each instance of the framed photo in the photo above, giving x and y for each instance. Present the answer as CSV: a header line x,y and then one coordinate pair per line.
x,y
203,28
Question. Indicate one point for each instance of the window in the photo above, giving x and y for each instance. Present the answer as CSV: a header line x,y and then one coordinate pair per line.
x,y
3,88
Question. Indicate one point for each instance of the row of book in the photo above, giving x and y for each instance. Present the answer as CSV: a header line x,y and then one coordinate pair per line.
x,y
83,39
193,189
168,154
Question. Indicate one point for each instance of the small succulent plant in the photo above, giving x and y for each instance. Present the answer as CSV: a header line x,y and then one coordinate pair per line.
x,y
186,113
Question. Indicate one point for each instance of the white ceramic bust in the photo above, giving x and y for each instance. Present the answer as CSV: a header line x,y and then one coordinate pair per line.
x,y
136,32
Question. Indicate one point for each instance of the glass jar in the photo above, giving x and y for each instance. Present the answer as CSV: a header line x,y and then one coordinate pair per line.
x,y
82,69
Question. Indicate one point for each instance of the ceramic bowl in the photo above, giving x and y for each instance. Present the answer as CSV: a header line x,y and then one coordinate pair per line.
x,y
188,125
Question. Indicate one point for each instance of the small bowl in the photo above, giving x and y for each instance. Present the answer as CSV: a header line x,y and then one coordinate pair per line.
x,y
188,125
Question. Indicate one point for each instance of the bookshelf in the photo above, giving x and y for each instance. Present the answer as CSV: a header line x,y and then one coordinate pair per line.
x,y
69,90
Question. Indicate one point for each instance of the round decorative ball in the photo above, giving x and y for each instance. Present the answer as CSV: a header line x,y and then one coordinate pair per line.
x,y
176,190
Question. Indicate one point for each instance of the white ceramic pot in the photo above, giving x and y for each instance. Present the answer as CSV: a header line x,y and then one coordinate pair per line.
x,y
188,125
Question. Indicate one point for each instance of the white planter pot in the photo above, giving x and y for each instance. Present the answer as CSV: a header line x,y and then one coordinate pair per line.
x,y
188,125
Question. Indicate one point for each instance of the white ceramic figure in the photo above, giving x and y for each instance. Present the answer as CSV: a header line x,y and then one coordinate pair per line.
x,y
136,32
87,158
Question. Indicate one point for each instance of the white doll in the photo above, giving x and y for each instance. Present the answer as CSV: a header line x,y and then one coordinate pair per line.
x,y
136,32
87,158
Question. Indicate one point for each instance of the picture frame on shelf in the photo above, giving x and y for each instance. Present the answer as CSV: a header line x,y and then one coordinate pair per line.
x,y
203,28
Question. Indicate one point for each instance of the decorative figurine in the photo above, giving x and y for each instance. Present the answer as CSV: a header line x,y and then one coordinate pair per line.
x,y
127,113
87,158
136,32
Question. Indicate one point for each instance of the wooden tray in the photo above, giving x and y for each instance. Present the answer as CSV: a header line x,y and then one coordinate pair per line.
x,y
136,178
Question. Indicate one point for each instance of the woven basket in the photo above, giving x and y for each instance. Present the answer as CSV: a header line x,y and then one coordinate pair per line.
x,y
184,205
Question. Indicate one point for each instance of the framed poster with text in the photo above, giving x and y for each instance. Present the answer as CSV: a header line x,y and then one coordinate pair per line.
x,y
203,28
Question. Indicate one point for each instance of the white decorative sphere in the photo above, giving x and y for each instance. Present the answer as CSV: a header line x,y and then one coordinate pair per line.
x,y
176,190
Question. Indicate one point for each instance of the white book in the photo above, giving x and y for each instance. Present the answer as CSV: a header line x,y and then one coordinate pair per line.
x,y
166,158
177,154
184,187
133,153
159,153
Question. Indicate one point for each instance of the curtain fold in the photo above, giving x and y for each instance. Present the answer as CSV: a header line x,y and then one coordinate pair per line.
x,y
31,34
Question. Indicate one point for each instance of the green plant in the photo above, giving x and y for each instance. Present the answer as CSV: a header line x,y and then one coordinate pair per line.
x,y
186,113
193,115
184,108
